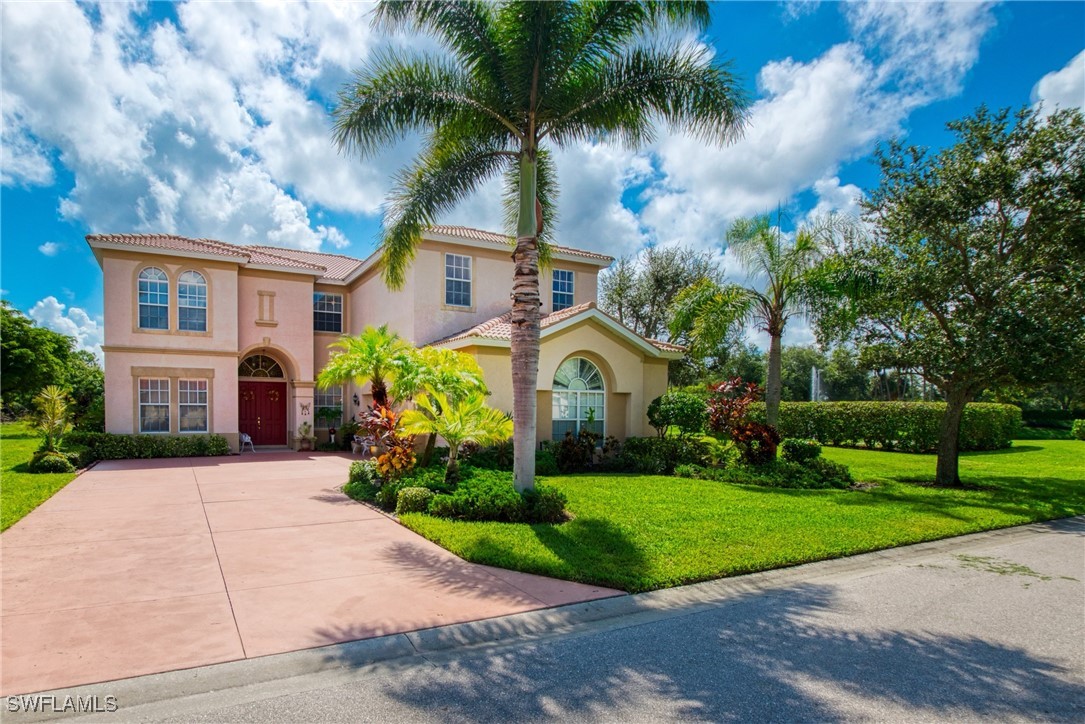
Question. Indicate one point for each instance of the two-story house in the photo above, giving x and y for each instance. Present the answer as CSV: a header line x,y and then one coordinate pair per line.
x,y
203,336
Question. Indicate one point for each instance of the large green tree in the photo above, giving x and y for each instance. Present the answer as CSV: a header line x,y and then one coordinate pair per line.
x,y
978,257
516,78
33,357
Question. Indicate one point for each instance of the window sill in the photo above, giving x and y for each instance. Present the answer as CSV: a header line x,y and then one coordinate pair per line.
x,y
266,323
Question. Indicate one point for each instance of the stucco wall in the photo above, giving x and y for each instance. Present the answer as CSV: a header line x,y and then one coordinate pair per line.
x,y
291,334
120,272
373,304
632,378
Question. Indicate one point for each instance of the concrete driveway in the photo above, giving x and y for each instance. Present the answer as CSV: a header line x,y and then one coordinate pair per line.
x,y
139,567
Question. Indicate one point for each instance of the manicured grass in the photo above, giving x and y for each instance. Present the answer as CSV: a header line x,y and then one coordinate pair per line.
x,y
20,491
640,533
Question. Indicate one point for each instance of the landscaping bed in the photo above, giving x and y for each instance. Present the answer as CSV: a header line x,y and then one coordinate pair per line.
x,y
20,490
643,532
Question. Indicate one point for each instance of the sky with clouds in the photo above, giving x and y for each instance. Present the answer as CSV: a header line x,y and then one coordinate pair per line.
x,y
212,119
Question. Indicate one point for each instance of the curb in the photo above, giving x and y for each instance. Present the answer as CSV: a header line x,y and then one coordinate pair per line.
x,y
227,683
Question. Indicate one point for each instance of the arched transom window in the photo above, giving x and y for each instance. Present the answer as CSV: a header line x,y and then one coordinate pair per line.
x,y
192,302
259,365
154,299
579,400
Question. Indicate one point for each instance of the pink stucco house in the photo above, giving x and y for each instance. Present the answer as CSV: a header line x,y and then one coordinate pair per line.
x,y
203,336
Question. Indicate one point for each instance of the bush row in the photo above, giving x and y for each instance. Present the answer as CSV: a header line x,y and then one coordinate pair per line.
x,y
1078,429
1051,418
812,474
108,446
906,426
479,494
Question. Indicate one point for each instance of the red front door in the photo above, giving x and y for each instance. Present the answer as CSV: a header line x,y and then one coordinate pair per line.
x,y
262,411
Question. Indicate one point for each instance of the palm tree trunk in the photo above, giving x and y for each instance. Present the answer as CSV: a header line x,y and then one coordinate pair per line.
x,y
773,384
524,350
949,441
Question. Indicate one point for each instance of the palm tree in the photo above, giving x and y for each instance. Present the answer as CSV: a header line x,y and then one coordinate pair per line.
x,y
520,76
374,356
710,312
456,374
468,419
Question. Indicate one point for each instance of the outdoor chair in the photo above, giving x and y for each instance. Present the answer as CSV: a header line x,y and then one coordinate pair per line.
x,y
246,440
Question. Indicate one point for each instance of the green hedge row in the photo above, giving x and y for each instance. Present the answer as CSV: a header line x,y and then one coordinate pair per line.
x,y
906,426
1052,418
107,446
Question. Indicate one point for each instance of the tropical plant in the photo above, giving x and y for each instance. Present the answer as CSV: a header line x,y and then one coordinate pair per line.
x,y
390,445
52,416
978,257
467,419
522,75
728,413
374,356
710,312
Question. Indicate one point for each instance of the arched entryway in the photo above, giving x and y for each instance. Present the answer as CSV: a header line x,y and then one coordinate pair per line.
x,y
579,398
261,400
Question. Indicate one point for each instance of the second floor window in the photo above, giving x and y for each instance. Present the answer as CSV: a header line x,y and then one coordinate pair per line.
x,y
154,299
563,289
327,312
192,302
457,280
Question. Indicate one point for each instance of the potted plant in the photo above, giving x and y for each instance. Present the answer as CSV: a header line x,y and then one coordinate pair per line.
x,y
305,436
330,415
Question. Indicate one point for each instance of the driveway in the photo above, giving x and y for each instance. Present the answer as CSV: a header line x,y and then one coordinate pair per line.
x,y
146,566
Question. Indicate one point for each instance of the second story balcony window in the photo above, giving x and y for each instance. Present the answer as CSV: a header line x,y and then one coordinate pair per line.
x,y
192,302
327,312
563,289
457,280
154,299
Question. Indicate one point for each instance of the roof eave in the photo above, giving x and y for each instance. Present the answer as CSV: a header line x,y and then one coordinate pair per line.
x,y
97,246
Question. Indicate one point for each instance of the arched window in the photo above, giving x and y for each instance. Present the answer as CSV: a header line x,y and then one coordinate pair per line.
x,y
154,299
259,365
579,400
192,302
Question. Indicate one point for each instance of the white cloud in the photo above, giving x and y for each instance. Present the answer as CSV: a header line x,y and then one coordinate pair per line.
x,y
50,248
836,198
213,126
1064,88
74,322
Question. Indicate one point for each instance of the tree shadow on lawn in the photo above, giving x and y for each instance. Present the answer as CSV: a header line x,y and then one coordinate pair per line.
x,y
1013,450
766,655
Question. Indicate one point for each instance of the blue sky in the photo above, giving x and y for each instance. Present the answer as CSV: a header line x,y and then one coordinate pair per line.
x,y
211,119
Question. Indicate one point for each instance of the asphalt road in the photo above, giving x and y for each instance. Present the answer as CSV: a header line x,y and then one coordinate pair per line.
x,y
981,628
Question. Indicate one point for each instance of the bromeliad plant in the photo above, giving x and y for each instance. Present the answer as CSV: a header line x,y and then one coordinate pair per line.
x,y
467,420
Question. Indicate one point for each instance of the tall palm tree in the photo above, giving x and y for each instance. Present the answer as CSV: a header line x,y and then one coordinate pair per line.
x,y
710,312
519,77
374,356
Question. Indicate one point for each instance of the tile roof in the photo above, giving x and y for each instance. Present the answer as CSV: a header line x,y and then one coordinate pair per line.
x,y
173,242
337,266
501,328
465,232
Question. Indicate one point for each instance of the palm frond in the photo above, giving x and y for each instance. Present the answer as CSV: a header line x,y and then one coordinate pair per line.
x,y
465,27
622,98
394,96
440,178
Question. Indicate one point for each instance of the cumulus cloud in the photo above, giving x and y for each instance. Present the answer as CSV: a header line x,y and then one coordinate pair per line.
x,y
1064,88
50,248
213,125
73,321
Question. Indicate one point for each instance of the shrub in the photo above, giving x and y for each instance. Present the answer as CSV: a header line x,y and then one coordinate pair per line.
x,y
815,474
728,414
689,471
799,451
660,456
545,505
1078,430
678,409
108,446
365,471
576,452
546,463
905,426
50,461
413,500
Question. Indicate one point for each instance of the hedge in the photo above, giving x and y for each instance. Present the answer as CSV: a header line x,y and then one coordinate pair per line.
x,y
1051,418
906,426
108,446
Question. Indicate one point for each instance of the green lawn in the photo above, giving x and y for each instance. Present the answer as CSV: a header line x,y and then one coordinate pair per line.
x,y
640,533
20,491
